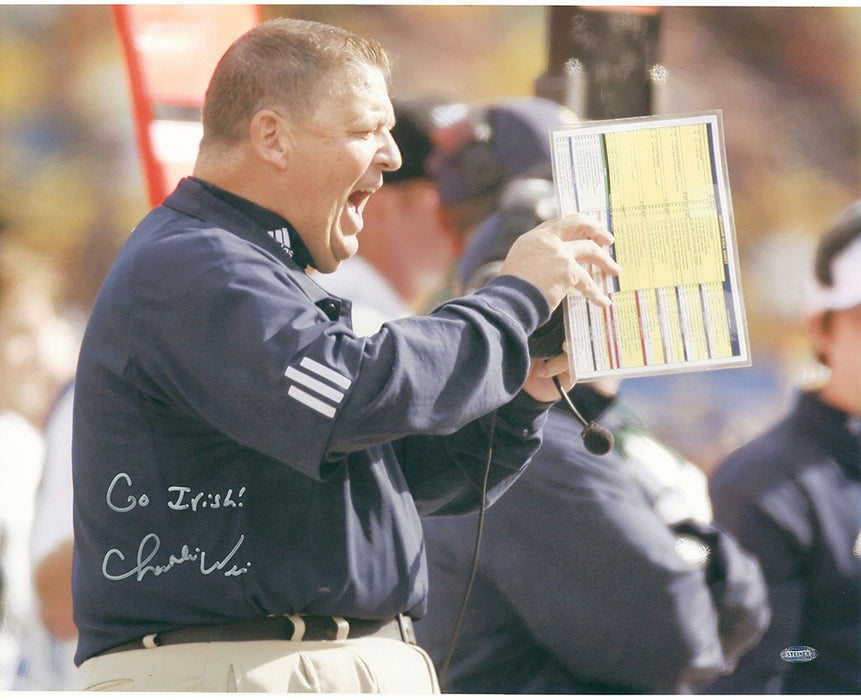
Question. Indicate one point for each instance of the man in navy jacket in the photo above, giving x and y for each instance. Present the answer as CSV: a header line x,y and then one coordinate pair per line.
x,y
248,473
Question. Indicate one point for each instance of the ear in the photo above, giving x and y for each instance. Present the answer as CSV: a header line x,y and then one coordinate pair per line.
x,y
270,138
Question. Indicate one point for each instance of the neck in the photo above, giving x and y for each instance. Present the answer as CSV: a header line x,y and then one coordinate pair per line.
x,y
834,395
232,170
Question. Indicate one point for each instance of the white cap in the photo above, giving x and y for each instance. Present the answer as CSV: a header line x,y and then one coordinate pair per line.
x,y
846,290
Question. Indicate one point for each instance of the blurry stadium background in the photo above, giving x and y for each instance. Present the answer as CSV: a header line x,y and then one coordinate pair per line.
x,y
786,78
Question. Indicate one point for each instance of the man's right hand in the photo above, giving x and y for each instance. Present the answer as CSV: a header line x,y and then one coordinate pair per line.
x,y
551,257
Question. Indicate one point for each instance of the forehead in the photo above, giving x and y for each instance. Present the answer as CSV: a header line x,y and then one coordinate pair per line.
x,y
359,93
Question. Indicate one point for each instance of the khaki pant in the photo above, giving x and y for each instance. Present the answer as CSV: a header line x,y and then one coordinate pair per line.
x,y
365,665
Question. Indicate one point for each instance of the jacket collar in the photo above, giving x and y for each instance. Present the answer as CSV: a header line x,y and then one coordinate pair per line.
x,y
841,431
243,218
240,216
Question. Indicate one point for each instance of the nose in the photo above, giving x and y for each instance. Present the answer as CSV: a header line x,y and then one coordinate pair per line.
x,y
389,153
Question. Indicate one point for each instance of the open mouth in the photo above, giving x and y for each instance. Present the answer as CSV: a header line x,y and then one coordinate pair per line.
x,y
358,199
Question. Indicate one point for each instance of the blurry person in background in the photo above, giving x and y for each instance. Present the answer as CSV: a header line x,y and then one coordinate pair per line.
x,y
52,544
476,155
406,253
37,355
38,347
596,574
792,496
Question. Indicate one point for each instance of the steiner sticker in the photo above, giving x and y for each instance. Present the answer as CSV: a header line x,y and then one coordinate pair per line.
x,y
799,655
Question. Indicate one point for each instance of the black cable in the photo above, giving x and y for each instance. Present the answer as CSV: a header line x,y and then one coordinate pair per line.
x,y
478,534
597,439
569,403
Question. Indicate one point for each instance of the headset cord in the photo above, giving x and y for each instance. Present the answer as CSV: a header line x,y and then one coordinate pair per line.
x,y
474,570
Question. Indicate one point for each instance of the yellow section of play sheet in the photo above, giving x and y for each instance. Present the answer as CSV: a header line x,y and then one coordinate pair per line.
x,y
660,185
662,198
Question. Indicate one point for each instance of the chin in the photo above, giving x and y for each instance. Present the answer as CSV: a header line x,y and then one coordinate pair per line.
x,y
329,266
350,248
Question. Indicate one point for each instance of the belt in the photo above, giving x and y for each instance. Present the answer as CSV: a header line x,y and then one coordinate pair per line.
x,y
295,628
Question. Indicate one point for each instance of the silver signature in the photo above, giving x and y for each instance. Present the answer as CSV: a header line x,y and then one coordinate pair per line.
x,y
149,548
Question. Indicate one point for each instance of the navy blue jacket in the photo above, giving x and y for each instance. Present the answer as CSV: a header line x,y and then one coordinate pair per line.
x,y
792,496
238,452
580,588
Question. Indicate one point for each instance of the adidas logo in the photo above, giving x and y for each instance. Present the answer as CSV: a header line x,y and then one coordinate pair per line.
x,y
282,236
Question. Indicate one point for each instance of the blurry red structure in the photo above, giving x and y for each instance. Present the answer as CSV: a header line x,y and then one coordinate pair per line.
x,y
170,52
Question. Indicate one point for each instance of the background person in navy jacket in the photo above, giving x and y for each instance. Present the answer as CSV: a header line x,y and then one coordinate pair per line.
x,y
792,496
596,574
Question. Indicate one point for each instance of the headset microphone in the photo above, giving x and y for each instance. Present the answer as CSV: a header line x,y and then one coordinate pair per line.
x,y
546,342
596,438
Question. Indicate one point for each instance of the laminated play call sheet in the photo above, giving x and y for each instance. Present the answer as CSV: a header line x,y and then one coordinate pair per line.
x,y
660,185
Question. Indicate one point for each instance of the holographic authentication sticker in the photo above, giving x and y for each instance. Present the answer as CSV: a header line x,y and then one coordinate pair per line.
x,y
799,655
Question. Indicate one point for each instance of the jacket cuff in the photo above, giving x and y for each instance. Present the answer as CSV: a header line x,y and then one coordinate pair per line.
x,y
519,299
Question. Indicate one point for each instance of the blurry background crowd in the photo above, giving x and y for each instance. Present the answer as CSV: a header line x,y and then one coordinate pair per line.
x,y
71,185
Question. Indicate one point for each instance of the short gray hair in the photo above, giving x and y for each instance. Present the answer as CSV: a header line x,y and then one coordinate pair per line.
x,y
285,63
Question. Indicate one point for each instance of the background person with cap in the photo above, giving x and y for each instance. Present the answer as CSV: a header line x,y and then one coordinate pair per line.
x,y
476,155
792,496
596,574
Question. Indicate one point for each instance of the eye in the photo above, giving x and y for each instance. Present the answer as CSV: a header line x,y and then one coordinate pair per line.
x,y
369,130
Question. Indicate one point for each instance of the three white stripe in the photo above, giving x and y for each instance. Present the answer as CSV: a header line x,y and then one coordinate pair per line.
x,y
328,397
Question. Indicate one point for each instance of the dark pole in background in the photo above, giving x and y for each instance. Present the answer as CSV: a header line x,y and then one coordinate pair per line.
x,y
603,61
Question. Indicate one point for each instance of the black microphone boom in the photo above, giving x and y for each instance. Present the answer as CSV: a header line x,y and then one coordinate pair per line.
x,y
596,438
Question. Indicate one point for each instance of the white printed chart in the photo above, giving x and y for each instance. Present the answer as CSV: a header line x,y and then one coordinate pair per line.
x,y
659,184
